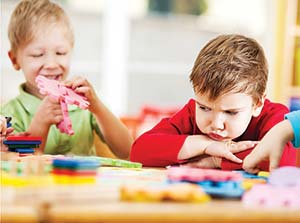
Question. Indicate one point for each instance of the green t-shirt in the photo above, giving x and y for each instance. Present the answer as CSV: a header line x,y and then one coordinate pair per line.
x,y
22,109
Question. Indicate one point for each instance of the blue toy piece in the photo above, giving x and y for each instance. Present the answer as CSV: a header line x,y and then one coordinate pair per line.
x,y
23,150
8,124
11,142
75,164
226,189
250,175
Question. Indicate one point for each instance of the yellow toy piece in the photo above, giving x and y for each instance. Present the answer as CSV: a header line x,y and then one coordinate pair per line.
x,y
179,192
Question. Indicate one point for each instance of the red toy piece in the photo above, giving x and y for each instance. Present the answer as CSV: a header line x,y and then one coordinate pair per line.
x,y
66,96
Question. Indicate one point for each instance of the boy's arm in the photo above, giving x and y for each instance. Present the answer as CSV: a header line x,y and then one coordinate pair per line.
x,y
115,133
160,146
175,140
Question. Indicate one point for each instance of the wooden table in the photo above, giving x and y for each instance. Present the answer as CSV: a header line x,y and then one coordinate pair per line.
x,y
215,211
102,204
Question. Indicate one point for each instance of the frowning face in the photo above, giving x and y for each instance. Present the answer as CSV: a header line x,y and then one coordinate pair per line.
x,y
225,118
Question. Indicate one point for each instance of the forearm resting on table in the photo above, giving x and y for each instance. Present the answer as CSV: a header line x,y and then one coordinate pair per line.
x,y
193,146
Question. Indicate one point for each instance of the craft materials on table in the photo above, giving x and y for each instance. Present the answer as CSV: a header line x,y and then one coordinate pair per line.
x,y
24,145
155,192
216,183
282,190
74,171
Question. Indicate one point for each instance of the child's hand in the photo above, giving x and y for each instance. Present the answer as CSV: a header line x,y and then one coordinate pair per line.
x,y
227,149
49,112
269,148
3,125
82,86
4,132
205,161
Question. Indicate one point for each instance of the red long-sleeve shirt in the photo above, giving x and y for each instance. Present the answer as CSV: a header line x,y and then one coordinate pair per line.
x,y
160,146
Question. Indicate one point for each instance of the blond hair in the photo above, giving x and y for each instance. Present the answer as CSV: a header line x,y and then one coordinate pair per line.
x,y
230,63
31,15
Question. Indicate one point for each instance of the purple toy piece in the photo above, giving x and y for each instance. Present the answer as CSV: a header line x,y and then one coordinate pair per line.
x,y
269,196
65,96
197,174
285,176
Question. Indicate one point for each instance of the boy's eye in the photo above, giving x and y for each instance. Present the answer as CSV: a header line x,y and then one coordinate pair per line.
x,y
203,108
61,53
37,55
231,112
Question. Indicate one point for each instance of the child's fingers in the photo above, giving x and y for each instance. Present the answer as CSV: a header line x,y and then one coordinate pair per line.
x,y
82,89
9,130
230,156
274,163
252,169
76,82
23,134
241,146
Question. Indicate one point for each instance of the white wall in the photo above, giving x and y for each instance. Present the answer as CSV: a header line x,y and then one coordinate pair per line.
x,y
159,54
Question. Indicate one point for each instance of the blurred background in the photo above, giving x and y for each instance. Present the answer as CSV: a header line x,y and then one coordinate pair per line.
x,y
139,53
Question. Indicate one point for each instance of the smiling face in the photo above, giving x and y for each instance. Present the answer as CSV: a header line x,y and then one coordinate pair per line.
x,y
227,117
47,54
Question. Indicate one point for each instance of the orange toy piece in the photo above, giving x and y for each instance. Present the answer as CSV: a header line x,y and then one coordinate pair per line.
x,y
180,192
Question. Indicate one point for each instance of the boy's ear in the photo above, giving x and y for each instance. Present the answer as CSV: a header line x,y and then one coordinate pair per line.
x,y
13,60
259,106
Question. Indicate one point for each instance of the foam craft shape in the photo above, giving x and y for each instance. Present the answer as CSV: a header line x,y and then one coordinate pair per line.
x,y
65,96
269,196
196,174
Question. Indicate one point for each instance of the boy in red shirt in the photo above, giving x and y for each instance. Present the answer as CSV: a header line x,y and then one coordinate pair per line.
x,y
228,116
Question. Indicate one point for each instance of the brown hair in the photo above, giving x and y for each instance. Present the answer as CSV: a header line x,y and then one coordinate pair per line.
x,y
29,16
230,63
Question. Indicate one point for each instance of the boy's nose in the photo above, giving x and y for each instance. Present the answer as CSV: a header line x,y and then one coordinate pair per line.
x,y
50,62
217,123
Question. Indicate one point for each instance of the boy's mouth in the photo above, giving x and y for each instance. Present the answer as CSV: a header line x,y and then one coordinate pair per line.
x,y
216,137
53,76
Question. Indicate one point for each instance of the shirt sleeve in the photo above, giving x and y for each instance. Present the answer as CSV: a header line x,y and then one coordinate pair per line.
x,y
160,146
294,118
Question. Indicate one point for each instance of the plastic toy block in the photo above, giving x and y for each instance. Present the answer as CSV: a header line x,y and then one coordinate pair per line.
x,y
75,164
197,174
105,161
269,196
180,192
261,175
228,189
265,174
65,96
248,183
74,180
216,183
65,126
13,146
24,150
11,142
24,138
70,172
285,176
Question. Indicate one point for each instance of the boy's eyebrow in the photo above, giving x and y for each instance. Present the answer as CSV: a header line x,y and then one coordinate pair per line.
x,y
229,109
198,103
